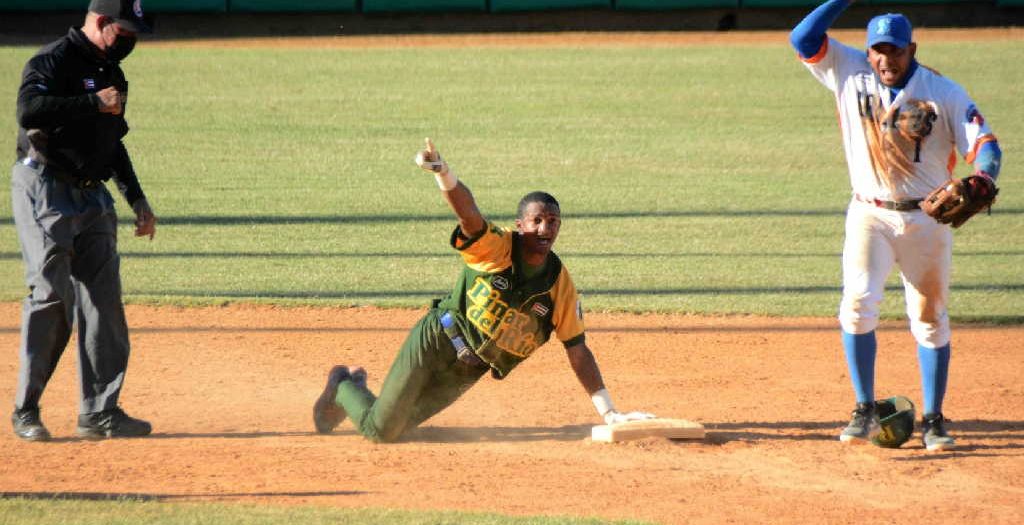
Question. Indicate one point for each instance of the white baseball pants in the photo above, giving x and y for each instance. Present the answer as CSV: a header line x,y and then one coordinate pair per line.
x,y
875,239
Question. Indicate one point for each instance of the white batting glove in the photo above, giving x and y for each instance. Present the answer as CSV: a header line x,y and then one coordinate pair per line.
x,y
430,160
603,403
613,417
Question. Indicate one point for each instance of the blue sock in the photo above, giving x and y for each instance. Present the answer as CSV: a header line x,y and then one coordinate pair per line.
x,y
860,359
934,374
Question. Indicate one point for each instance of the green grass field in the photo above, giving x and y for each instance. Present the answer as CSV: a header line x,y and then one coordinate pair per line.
x,y
133,512
693,179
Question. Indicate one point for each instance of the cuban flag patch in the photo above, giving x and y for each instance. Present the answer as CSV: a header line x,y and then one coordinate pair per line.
x,y
89,83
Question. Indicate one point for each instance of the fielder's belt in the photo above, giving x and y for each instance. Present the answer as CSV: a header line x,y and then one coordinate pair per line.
x,y
463,352
910,205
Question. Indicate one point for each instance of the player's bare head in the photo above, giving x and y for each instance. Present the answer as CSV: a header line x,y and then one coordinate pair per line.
x,y
542,197
891,48
538,221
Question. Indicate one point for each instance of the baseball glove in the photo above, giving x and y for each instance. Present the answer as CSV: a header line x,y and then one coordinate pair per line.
x,y
960,199
896,417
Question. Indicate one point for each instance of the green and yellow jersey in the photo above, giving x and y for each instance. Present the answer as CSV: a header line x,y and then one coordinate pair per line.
x,y
506,310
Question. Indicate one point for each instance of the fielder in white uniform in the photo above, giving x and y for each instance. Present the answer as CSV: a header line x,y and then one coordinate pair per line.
x,y
890,173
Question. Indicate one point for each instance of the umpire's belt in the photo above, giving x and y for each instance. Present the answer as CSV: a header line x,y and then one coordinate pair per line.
x,y
84,184
462,350
910,205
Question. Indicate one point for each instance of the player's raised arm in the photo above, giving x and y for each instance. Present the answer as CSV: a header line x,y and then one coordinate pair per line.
x,y
471,221
809,35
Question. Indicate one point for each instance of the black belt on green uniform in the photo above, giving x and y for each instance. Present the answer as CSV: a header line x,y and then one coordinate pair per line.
x,y
463,352
84,184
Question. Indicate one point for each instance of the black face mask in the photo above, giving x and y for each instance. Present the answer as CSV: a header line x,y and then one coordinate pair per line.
x,y
121,48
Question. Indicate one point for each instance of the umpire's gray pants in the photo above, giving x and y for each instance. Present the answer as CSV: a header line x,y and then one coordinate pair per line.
x,y
68,239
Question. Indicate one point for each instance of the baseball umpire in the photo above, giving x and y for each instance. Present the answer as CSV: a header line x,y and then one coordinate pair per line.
x,y
902,126
512,293
71,106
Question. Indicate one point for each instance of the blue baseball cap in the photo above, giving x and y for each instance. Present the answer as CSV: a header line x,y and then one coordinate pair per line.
x,y
890,28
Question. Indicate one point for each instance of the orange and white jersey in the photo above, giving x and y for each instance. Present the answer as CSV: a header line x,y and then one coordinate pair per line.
x,y
884,162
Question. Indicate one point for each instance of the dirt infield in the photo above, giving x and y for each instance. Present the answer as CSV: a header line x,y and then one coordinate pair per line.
x,y
230,389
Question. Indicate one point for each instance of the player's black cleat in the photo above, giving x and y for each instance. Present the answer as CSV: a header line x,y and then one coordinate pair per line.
x,y
327,414
112,423
933,433
28,426
863,425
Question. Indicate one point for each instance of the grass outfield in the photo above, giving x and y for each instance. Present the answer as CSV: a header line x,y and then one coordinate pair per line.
x,y
693,179
132,512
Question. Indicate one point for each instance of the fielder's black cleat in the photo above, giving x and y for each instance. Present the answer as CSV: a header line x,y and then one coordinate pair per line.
x,y
112,423
28,426
327,414
864,425
933,433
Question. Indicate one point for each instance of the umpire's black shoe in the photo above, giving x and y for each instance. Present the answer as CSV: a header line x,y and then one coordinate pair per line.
x,y
28,426
327,414
111,423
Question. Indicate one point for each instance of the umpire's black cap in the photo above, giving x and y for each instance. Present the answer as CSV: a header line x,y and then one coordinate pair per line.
x,y
128,14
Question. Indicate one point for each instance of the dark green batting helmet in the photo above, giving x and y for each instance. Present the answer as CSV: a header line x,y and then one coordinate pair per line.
x,y
896,416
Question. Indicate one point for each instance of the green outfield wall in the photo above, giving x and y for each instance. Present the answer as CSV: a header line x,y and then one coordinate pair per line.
x,y
654,5
386,6
779,3
915,2
282,6
185,6
499,6
153,6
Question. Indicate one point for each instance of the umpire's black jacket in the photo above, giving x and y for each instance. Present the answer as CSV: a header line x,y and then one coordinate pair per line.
x,y
59,119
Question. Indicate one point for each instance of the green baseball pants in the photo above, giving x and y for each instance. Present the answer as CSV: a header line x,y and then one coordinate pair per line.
x,y
425,378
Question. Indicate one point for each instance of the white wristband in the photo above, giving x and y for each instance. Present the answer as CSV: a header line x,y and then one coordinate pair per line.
x,y
446,180
602,402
